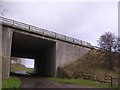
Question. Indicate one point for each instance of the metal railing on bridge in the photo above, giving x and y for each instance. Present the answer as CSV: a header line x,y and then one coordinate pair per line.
x,y
16,24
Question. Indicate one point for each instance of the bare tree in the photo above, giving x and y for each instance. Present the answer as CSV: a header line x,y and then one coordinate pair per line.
x,y
16,60
106,42
117,50
118,45
2,9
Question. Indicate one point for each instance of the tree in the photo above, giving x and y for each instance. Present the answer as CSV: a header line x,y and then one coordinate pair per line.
x,y
2,9
15,60
117,50
117,45
106,43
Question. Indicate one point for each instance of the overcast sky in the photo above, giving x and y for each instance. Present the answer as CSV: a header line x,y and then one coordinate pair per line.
x,y
86,21
82,20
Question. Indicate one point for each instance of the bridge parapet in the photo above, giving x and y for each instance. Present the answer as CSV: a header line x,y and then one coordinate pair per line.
x,y
39,30
60,36
77,41
49,33
69,39
21,25
16,24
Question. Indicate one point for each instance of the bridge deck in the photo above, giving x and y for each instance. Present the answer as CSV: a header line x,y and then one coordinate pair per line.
x,y
23,26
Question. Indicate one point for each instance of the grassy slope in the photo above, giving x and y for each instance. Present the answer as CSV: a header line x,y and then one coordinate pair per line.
x,y
16,67
12,82
93,63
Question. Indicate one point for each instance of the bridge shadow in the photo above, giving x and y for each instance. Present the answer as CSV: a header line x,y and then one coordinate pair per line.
x,y
40,49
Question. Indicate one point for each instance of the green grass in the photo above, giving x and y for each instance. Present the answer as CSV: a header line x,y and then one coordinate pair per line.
x,y
29,71
0,85
82,82
16,67
12,82
19,67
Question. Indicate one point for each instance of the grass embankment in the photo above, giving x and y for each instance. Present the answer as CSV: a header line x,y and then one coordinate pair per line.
x,y
82,82
94,63
11,82
15,82
18,67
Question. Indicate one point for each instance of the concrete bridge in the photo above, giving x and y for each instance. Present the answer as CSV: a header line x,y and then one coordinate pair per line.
x,y
49,49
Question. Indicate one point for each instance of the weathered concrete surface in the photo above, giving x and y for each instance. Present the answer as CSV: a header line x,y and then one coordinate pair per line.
x,y
67,53
0,56
6,50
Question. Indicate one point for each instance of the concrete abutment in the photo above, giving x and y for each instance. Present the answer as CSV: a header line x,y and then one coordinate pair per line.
x,y
6,50
66,53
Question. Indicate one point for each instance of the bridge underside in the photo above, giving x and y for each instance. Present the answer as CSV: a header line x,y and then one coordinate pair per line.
x,y
43,51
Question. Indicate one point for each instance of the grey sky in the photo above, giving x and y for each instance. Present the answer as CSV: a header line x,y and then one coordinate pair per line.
x,y
82,20
28,62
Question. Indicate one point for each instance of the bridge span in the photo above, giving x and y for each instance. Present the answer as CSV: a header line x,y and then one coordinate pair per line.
x,y
49,49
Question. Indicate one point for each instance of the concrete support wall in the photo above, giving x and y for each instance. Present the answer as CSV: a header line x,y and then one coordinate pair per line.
x,y
40,65
51,54
45,63
67,53
6,50
0,56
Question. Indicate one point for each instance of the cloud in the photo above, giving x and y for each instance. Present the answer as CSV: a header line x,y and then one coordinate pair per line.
x,y
61,0
83,20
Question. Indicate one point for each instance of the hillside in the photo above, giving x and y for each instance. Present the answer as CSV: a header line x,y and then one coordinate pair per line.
x,y
94,63
18,67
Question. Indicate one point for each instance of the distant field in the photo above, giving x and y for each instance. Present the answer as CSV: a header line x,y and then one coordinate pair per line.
x,y
16,67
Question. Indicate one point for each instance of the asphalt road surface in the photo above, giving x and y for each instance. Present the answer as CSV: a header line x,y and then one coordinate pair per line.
x,y
38,82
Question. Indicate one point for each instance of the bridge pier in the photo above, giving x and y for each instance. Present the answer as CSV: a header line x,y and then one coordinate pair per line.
x,y
45,63
39,66
6,50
